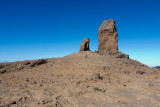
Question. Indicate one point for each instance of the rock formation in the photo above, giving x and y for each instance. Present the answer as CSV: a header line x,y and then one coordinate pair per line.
x,y
108,37
85,45
81,79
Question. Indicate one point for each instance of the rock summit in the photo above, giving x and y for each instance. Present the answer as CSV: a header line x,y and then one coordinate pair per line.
x,y
108,37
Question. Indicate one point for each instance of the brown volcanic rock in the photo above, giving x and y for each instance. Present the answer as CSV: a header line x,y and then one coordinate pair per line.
x,y
108,37
85,45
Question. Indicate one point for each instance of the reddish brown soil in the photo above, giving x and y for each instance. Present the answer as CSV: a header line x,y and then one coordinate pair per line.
x,y
83,79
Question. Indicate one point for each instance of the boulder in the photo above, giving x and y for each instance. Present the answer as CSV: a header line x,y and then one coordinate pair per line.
x,y
85,45
108,37
121,55
38,62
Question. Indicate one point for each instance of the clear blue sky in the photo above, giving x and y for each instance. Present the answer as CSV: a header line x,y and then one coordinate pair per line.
x,y
33,29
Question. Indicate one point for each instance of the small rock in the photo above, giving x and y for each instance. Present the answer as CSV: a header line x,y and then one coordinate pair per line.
x,y
140,72
27,63
3,71
1,66
96,77
46,101
98,89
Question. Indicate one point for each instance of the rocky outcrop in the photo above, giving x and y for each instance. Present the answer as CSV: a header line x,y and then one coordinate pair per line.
x,y
17,66
121,55
85,45
108,37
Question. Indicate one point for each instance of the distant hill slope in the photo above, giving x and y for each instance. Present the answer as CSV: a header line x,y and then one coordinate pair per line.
x,y
4,62
157,67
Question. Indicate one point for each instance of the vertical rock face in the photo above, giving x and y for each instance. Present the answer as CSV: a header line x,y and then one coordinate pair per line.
x,y
108,37
85,45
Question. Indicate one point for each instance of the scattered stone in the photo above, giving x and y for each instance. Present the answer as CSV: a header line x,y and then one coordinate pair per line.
x,y
78,82
1,66
85,45
27,79
14,102
106,68
98,89
140,72
123,102
127,72
8,65
96,77
57,104
124,85
46,101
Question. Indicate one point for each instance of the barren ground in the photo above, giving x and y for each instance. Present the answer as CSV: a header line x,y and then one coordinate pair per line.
x,y
79,81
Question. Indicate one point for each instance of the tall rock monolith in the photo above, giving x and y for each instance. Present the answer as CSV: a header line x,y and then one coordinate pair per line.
x,y
108,37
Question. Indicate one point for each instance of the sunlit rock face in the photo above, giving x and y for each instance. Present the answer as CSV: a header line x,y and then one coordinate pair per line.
x,y
108,37
85,45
